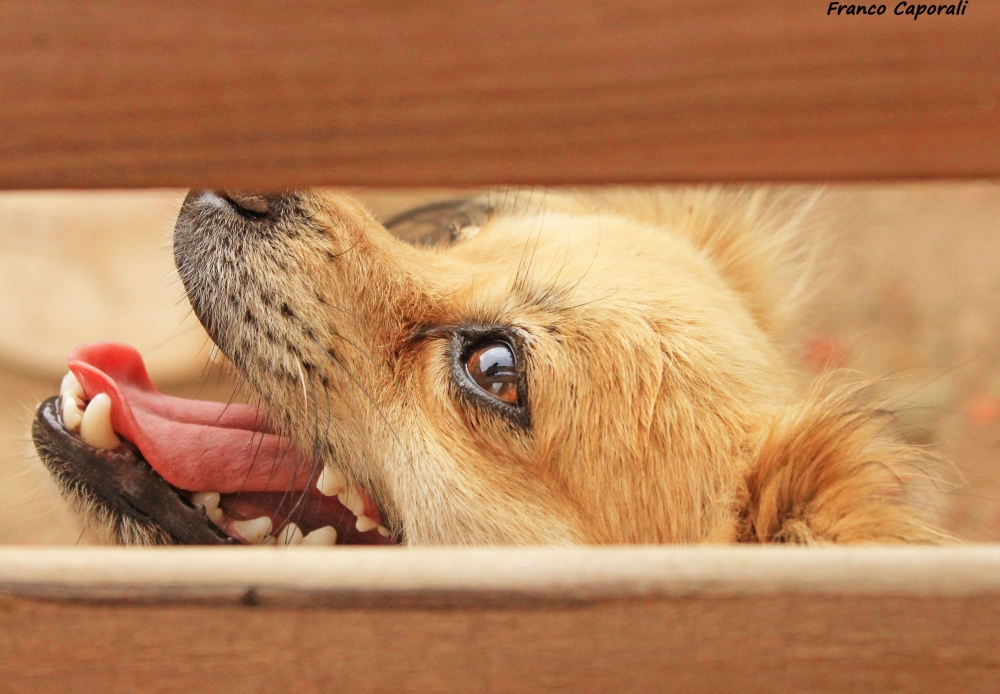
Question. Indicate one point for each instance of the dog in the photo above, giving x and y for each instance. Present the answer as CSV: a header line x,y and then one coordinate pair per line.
x,y
521,368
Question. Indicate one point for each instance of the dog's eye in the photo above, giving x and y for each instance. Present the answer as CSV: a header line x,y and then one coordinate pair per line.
x,y
493,367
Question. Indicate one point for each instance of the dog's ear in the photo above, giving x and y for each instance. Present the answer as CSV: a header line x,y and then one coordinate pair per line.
x,y
828,471
439,223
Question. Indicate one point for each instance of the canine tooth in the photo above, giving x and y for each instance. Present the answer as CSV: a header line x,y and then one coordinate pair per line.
x,y
253,531
330,482
290,535
71,386
383,531
95,426
352,500
326,535
365,524
210,500
71,414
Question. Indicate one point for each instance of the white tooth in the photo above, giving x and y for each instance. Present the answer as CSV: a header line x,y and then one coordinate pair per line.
x,y
71,386
352,500
383,531
365,524
321,536
330,482
95,427
253,531
71,414
210,500
269,540
290,535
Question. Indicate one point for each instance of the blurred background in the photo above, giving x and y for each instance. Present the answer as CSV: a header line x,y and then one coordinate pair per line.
x,y
909,293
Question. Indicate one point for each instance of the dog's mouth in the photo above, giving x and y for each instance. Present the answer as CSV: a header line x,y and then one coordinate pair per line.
x,y
168,469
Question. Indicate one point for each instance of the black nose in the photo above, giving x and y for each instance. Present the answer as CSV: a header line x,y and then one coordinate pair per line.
x,y
246,202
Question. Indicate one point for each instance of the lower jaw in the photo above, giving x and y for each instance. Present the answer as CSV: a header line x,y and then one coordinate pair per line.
x,y
281,519
122,482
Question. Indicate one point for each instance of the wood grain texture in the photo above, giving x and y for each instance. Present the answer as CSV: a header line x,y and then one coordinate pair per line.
x,y
116,93
581,620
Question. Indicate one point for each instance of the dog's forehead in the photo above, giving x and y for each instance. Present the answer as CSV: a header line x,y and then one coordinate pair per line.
x,y
559,249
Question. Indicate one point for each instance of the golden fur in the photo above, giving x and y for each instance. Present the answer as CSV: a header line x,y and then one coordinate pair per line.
x,y
664,407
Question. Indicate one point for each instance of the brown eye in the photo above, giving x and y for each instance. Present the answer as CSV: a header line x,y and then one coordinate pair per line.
x,y
493,367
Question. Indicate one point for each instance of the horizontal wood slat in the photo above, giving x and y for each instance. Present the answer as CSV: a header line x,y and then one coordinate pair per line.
x,y
501,620
116,93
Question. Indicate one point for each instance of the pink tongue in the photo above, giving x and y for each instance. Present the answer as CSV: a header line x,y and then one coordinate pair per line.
x,y
194,445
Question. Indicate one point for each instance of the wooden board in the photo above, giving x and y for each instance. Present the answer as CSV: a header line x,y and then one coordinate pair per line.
x,y
126,93
122,93
501,620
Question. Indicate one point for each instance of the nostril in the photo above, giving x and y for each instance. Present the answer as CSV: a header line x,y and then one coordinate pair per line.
x,y
246,203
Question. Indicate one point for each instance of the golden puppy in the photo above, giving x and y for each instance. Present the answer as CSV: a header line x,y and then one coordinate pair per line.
x,y
555,368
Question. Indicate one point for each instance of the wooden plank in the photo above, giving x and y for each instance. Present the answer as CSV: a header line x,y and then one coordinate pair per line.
x,y
501,620
347,92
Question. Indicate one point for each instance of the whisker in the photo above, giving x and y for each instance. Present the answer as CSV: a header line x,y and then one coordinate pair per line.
x,y
305,398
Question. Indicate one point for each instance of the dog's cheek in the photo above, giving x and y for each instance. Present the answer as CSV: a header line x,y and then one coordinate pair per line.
x,y
466,461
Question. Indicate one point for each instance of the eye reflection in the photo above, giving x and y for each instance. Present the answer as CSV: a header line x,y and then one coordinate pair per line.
x,y
493,367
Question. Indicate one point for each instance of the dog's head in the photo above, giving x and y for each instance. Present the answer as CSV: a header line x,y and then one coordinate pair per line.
x,y
554,368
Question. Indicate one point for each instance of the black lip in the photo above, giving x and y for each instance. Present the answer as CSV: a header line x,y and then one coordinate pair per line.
x,y
120,482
